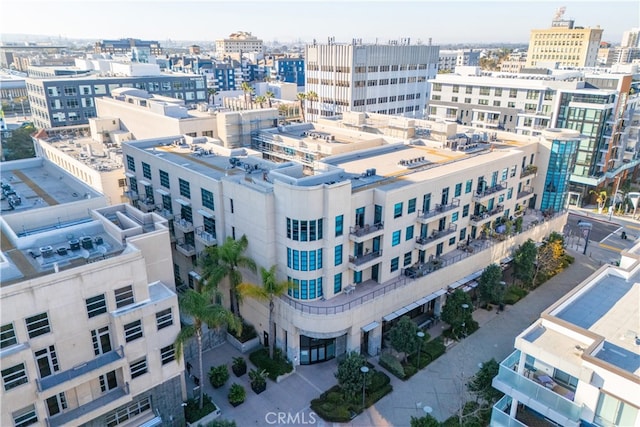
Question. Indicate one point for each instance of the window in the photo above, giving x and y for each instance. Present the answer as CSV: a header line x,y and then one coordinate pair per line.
x,y
185,188
25,416
133,331
7,336
337,283
124,296
146,170
465,211
131,164
468,186
463,234
133,409
108,381
139,367
452,241
164,318
614,412
339,225
509,193
454,217
38,325
409,232
164,179
397,210
96,305
47,361
458,190
167,354
14,376
337,259
207,198
101,340
56,404
395,238
411,206
394,264
407,259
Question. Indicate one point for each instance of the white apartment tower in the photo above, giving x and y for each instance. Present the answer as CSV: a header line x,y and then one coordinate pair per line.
x,y
387,79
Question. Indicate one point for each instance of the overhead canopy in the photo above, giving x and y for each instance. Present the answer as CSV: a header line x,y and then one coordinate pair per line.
x,y
163,192
205,213
407,308
370,327
183,202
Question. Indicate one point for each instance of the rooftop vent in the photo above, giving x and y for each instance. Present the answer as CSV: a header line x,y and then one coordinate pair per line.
x,y
46,251
62,251
74,244
87,242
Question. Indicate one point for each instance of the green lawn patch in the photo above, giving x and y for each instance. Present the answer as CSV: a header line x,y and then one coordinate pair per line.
x,y
192,411
275,367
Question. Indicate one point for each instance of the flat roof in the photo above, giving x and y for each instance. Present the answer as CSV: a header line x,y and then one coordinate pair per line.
x,y
79,145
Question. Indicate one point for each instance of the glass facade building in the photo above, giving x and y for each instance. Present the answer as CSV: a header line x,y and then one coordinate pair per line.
x,y
562,159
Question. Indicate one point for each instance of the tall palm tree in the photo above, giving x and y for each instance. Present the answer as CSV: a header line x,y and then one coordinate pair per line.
x,y
224,261
247,89
269,95
212,92
261,100
197,304
311,96
301,97
269,291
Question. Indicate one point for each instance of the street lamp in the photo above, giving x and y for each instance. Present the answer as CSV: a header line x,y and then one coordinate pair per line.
x,y
364,371
464,306
420,337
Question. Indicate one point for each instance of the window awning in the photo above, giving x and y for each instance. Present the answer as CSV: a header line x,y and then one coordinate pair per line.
x,y
183,202
156,421
407,308
401,311
195,275
389,317
506,260
205,213
161,191
129,175
145,182
370,327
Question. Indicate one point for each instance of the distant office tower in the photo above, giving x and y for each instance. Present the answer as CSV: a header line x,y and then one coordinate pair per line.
x,y
236,43
123,46
631,38
450,59
387,79
564,44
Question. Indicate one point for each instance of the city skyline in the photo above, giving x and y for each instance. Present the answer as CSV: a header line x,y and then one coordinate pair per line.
x,y
284,21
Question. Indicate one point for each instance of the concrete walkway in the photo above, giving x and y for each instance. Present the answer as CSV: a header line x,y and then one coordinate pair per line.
x,y
440,386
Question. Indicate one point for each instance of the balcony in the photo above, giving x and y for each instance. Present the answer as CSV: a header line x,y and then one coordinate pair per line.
x,y
186,249
419,270
104,360
439,211
529,170
525,191
165,213
183,225
360,262
205,237
486,215
132,195
84,413
359,234
536,396
500,414
435,236
147,204
480,196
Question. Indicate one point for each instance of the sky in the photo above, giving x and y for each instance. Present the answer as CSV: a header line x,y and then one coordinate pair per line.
x,y
444,22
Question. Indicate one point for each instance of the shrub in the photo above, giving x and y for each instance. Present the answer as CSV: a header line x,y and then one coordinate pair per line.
x,y
222,423
409,370
379,380
237,394
239,366
248,332
435,348
258,380
275,367
392,365
514,294
218,375
192,411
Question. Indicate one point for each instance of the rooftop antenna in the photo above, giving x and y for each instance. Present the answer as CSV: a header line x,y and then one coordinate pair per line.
x,y
559,13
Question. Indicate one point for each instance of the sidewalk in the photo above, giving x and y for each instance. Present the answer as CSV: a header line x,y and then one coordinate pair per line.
x,y
440,385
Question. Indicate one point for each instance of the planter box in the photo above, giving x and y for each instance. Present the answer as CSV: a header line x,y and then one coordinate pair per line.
x,y
236,404
238,372
206,419
285,376
243,347
258,390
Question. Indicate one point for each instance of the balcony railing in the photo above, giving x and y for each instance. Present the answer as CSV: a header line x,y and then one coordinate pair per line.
x,y
525,191
183,225
500,416
479,195
68,375
132,195
529,170
165,213
205,237
439,209
361,259
420,270
147,204
534,395
186,249
358,231
68,417
475,219
436,235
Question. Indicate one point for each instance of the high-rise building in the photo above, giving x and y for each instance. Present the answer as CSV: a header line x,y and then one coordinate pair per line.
x,y
631,38
238,43
89,309
564,44
368,216
578,364
387,79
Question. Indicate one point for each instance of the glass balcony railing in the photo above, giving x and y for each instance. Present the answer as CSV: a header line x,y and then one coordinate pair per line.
x,y
500,416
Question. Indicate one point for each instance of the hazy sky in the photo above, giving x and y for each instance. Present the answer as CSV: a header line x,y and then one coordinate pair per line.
x,y
444,21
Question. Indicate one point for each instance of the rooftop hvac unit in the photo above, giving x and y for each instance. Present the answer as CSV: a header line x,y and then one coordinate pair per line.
x,y
62,251
87,242
74,244
46,251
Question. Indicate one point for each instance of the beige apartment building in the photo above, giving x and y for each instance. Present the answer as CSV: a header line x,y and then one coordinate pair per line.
x,y
89,310
237,43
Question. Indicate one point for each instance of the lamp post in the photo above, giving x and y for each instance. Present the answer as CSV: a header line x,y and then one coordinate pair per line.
x,y
364,371
585,227
464,306
420,335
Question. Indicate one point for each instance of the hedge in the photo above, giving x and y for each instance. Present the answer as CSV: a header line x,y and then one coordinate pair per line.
x,y
275,367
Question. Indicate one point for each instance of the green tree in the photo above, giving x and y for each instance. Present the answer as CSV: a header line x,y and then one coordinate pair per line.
x,y
480,383
225,261
247,90
197,305
20,144
524,262
550,257
601,198
212,92
261,99
489,286
403,336
269,291
301,97
426,421
312,97
269,96
455,314
349,376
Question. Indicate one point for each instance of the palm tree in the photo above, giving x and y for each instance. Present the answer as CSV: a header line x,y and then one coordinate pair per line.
x,y
247,89
197,304
261,100
269,291
224,261
311,96
269,95
212,94
301,97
